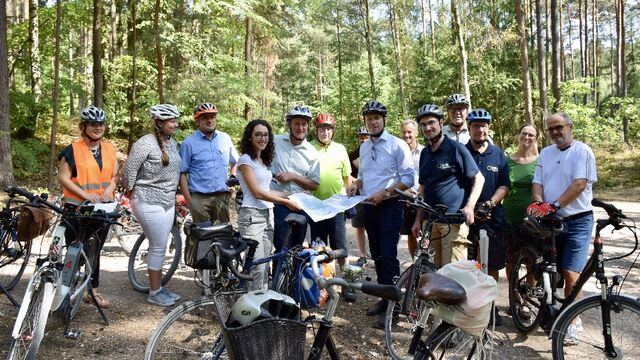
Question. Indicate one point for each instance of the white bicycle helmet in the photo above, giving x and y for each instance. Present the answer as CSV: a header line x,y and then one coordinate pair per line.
x,y
164,112
93,114
258,304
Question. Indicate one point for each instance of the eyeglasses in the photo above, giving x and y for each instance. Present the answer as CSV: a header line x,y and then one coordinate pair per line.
x,y
556,128
261,135
526,134
457,109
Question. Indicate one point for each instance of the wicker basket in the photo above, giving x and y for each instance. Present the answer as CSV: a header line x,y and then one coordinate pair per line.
x,y
274,339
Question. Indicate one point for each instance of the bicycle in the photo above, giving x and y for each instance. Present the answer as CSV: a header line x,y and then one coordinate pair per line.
x,y
191,329
402,317
59,279
128,233
609,320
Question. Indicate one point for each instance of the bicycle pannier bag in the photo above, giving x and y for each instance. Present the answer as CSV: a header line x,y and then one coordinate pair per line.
x,y
198,253
33,221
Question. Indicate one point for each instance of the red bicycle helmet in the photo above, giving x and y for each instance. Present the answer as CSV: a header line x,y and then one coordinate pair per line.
x,y
324,119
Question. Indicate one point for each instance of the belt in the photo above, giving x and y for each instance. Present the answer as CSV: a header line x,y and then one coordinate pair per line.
x,y
577,216
211,193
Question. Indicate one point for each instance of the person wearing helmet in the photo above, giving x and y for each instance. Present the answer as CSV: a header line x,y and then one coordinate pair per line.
x,y
208,158
334,179
385,165
88,172
492,163
409,130
457,106
295,168
449,176
563,180
151,175
357,221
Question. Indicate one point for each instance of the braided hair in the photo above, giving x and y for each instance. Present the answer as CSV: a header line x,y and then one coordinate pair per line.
x,y
159,136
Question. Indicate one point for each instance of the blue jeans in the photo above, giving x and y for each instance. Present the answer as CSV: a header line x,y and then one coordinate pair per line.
x,y
332,229
382,223
298,233
573,246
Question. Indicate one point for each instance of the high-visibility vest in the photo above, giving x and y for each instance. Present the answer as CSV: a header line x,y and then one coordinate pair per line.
x,y
89,177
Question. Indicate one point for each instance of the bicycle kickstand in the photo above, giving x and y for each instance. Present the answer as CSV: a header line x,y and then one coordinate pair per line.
x,y
13,301
93,297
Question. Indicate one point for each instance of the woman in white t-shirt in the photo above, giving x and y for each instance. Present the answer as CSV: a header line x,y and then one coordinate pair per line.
x,y
255,218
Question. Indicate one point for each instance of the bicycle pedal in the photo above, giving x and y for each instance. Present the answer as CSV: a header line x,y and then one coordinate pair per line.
x,y
73,334
535,292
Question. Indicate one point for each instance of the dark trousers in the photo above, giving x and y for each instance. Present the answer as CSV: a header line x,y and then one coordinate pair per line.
x,y
298,232
332,229
382,223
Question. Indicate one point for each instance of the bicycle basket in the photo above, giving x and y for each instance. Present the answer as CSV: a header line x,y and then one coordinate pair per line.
x,y
32,222
273,338
198,252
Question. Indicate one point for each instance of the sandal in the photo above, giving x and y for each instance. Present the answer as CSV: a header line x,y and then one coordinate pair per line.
x,y
101,301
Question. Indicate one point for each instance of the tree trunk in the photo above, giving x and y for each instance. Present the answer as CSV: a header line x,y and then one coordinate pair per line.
x,y
432,30
594,61
621,86
398,56
461,48
524,62
582,72
542,63
572,59
34,39
72,109
248,58
6,162
82,70
114,29
131,48
55,99
423,26
159,65
369,40
320,78
555,54
97,54
340,94
562,75
586,71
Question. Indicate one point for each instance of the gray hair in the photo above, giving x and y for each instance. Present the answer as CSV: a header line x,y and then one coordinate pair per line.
x,y
410,122
564,116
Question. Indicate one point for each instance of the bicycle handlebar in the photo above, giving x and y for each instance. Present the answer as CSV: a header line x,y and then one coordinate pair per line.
x,y
227,255
611,210
439,213
14,190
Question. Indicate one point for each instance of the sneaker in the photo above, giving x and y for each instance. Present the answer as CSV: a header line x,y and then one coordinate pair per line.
x,y
361,262
173,296
349,294
161,299
378,309
380,321
573,332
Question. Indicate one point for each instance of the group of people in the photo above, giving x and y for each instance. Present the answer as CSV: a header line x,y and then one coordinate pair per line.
x,y
458,166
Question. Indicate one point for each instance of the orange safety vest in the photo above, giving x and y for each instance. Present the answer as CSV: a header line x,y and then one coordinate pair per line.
x,y
89,177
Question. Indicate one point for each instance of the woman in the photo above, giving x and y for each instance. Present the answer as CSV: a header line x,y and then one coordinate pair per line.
x,y
522,164
88,171
151,173
255,218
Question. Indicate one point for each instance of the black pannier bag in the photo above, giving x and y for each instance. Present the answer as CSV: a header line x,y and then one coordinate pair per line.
x,y
198,252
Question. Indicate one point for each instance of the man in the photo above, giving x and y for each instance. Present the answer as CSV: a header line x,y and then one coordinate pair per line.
x,y
334,179
493,165
564,177
295,168
358,221
208,156
448,176
385,166
409,131
457,108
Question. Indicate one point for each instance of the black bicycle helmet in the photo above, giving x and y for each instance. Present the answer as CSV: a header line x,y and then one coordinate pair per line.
x,y
362,131
92,114
429,109
479,115
541,228
299,111
374,106
456,99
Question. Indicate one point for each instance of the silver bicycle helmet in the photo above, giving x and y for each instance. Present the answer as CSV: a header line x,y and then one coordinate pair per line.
x,y
164,112
456,99
299,111
93,114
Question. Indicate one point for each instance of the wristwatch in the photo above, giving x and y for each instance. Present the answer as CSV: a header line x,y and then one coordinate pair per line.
x,y
556,204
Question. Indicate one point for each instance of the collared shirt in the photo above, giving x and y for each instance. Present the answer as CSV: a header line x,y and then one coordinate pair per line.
x,y
207,161
461,137
384,164
446,174
557,169
415,156
493,166
302,159
334,167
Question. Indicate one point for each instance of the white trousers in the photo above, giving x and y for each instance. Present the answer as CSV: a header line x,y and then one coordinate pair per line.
x,y
156,222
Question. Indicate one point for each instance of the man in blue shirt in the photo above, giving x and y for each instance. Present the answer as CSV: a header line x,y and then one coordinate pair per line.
x,y
385,165
207,156
448,176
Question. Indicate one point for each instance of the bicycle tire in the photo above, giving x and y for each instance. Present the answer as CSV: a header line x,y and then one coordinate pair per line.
x,y
137,269
399,336
14,256
448,342
525,321
34,323
191,331
624,331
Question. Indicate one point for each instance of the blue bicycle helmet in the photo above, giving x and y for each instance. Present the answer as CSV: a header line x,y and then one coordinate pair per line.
x,y
456,99
479,115
299,111
429,109
374,106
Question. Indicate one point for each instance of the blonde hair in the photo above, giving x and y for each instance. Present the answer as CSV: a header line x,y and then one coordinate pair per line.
x,y
159,135
534,149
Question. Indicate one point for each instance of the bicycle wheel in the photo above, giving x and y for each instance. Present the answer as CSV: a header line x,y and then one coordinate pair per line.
x,y
398,336
33,325
524,284
14,256
448,342
589,344
191,331
137,270
128,233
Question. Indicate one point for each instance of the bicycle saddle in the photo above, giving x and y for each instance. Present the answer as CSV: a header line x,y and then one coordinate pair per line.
x,y
441,289
296,218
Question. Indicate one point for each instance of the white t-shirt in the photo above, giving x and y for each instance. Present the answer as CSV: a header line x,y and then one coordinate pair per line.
x,y
262,174
557,169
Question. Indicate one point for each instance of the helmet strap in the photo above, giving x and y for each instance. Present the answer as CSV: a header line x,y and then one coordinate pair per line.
x,y
436,138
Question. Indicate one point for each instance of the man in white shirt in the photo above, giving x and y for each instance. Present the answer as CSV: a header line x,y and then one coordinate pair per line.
x,y
409,131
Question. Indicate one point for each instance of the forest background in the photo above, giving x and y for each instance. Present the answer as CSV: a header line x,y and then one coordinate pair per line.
x,y
519,59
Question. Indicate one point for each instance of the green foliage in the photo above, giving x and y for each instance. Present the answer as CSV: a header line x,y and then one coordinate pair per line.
x,y
30,157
